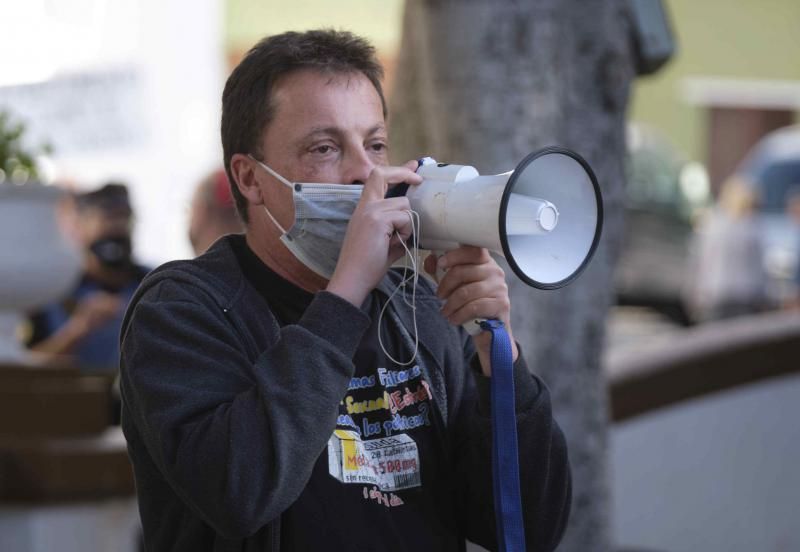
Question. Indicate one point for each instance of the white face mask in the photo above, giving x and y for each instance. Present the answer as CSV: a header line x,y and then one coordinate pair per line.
x,y
321,214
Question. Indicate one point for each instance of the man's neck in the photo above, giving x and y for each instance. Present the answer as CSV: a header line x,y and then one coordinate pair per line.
x,y
266,244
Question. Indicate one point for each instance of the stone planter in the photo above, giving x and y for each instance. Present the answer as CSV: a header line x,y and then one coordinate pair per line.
x,y
37,263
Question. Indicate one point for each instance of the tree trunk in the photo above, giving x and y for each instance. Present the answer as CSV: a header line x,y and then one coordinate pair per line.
x,y
483,83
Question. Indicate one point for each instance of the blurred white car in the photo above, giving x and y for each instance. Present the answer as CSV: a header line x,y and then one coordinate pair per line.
x,y
663,193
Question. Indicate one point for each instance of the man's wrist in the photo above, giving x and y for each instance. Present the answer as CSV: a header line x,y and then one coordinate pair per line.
x,y
347,289
483,346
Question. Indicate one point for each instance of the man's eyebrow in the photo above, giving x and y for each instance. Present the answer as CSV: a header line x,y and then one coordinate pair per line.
x,y
335,131
320,131
380,127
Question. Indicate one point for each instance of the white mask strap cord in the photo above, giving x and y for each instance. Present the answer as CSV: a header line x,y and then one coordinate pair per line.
x,y
274,221
410,262
280,179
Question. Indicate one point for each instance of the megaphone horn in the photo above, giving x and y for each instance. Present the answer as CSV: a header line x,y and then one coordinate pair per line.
x,y
544,217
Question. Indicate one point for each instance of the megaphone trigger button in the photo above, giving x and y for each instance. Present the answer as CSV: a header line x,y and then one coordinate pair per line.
x,y
425,161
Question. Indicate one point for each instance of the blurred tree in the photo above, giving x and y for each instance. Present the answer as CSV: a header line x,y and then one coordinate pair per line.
x,y
17,162
484,83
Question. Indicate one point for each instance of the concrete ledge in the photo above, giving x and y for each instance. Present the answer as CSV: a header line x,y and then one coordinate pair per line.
x,y
53,404
703,360
70,469
56,445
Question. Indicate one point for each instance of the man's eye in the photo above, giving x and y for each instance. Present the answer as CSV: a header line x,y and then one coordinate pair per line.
x,y
379,147
322,149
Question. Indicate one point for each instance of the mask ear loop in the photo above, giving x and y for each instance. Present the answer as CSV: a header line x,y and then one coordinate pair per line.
x,y
280,179
410,262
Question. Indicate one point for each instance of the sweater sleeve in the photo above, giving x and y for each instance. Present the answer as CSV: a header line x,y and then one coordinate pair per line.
x,y
545,479
235,439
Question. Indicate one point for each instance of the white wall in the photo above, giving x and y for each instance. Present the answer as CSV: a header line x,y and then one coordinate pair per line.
x,y
102,525
128,89
715,474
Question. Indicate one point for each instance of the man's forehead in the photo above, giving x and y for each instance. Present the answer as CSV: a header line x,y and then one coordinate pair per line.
x,y
306,90
301,77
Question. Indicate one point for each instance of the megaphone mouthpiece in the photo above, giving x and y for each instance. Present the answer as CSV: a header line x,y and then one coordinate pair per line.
x,y
530,216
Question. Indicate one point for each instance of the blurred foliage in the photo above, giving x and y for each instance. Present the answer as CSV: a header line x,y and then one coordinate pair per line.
x,y
17,160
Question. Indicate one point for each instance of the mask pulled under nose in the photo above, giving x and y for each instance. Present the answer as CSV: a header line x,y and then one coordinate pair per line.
x,y
321,214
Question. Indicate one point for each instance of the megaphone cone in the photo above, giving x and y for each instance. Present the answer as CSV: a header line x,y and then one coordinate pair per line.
x,y
544,217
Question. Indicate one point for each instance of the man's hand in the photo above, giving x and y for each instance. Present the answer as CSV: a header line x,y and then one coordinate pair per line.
x,y
371,245
473,286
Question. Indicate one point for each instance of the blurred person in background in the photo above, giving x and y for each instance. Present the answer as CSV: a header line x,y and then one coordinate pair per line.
x,y
793,209
213,213
728,275
85,324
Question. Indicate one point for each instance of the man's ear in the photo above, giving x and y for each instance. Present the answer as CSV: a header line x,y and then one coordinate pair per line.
x,y
243,170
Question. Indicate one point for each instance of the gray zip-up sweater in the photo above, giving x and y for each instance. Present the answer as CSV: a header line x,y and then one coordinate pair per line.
x,y
221,445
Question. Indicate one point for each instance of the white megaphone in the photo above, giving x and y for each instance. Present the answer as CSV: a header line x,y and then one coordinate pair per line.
x,y
544,217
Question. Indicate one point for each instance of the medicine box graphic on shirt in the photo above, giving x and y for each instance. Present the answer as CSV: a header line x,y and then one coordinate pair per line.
x,y
390,463
372,444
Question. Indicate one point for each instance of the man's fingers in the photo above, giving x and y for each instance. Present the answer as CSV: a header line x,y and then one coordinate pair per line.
x,y
394,204
466,254
400,223
487,307
458,276
465,274
429,264
468,293
380,178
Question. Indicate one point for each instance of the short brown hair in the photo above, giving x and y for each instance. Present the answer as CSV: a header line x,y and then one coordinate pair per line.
x,y
247,103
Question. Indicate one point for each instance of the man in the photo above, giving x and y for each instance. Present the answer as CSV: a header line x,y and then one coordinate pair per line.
x,y
213,213
85,325
262,407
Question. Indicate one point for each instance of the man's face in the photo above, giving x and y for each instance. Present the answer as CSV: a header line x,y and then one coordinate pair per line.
x,y
326,128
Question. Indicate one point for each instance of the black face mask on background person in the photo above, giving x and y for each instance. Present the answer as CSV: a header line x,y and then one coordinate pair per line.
x,y
114,252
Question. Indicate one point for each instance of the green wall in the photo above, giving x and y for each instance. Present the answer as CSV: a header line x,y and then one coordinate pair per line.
x,y
247,21
747,39
757,39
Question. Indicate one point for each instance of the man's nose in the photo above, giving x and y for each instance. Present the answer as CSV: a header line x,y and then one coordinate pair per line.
x,y
358,166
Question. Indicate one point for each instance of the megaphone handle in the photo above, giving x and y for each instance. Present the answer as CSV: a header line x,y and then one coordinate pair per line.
x,y
473,327
440,272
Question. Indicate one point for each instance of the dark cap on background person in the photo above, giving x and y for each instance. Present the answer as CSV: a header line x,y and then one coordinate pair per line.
x,y
111,197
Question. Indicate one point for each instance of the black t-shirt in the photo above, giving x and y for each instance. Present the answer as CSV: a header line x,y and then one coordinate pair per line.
x,y
382,482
